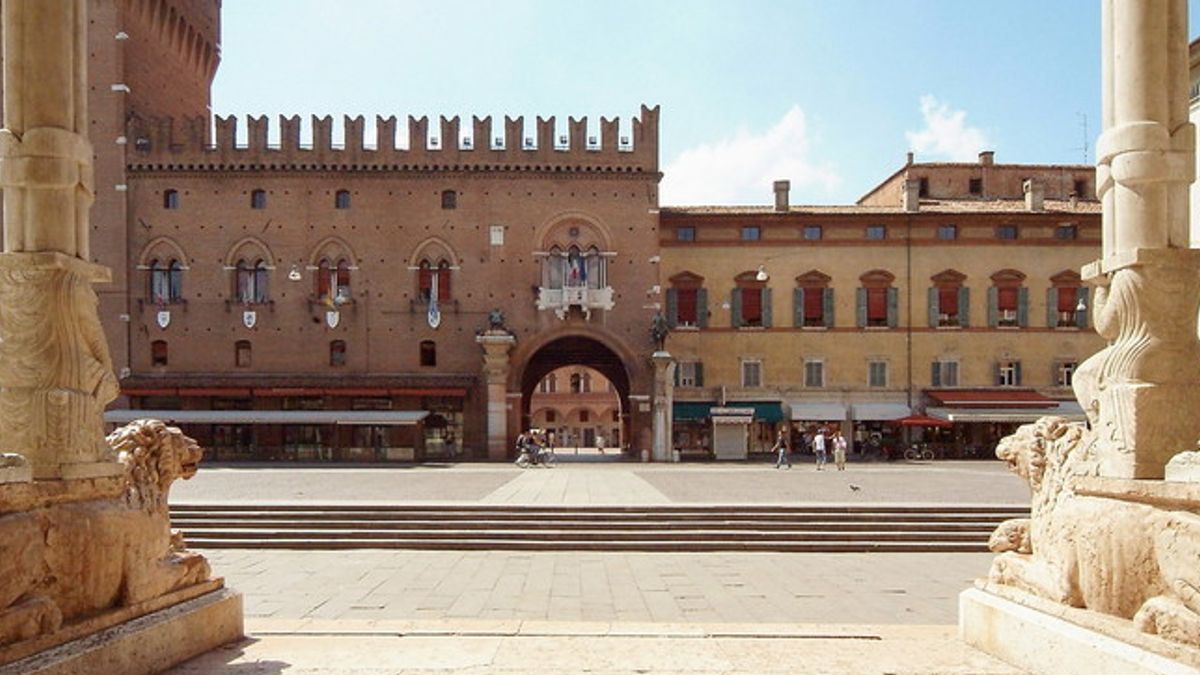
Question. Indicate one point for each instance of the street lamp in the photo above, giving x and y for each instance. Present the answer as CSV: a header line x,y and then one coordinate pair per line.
x,y
761,275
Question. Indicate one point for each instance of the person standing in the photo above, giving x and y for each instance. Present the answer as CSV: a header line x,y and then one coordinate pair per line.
x,y
782,445
819,448
600,443
839,450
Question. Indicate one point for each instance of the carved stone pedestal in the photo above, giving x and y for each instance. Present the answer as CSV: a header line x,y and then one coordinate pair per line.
x,y
57,376
663,395
496,343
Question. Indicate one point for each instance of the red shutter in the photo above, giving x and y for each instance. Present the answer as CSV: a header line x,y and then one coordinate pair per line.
x,y
444,284
752,305
948,301
1067,299
814,304
877,304
685,307
1006,299
425,281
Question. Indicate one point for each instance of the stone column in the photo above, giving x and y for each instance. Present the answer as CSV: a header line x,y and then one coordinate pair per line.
x,y
664,393
496,344
1141,392
55,373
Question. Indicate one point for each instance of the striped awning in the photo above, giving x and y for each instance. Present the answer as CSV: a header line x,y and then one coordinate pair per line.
x,y
353,417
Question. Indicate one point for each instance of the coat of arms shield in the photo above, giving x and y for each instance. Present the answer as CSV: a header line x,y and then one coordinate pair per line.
x,y
249,318
163,318
332,318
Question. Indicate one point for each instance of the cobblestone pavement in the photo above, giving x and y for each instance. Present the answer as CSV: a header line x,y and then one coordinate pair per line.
x,y
957,482
841,588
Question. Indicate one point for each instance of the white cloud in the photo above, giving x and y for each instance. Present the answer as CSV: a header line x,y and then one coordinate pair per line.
x,y
946,134
741,170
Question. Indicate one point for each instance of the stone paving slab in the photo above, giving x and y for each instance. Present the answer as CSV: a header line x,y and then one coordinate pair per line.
x,y
602,648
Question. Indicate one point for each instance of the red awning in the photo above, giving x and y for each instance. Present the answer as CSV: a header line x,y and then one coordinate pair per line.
x,y
922,421
990,398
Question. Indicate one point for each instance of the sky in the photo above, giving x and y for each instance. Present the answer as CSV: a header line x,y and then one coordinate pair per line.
x,y
827,94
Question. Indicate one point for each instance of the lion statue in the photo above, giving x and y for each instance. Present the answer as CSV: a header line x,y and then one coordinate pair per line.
x,y
1128,559
75,559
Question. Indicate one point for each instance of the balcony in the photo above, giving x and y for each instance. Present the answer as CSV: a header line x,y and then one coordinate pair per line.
x,y
562,299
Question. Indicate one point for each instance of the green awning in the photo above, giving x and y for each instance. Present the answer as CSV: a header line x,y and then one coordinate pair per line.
x,y
764,411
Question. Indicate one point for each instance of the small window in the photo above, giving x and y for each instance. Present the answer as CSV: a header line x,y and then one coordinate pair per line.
x,y
1066,232
1064,372
1006,232
924,188
428,353
258,199
751,373
877,374
551,416
945,374
616,417
685,233
158,353
337,353
1081,189
549,384
171,199
876,232
1008,374
812,232
341,200
585,416
814,374
449,199
751,233
242,354
496,235
975,186
947,232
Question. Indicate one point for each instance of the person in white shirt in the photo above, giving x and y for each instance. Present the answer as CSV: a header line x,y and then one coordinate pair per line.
x,y
819,448
839,450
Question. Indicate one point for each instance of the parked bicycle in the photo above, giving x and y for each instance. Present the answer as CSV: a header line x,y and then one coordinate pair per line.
x,y
531,453
919,451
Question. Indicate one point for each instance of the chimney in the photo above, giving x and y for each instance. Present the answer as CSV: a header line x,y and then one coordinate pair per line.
x,y
987,158
1034,194
782,187
911,198
908,160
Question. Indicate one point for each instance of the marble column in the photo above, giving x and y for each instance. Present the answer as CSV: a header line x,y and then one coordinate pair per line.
x,y
55,372
664,391
496,344
1141,392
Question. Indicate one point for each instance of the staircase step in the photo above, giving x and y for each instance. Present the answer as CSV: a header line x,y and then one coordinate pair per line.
x,y
641,546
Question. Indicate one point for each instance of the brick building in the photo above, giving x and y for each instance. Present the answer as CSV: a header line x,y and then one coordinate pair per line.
x,y
301,299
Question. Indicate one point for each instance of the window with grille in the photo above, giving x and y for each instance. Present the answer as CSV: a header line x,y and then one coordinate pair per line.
x,y
814,373
945,374
751,373
877,374
449,199
258,199
341,199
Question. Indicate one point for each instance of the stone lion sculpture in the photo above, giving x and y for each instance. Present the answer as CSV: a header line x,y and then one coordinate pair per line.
x,y
1124,558
75,559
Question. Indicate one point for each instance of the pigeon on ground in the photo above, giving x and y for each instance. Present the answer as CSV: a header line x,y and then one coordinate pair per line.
x,y
855,488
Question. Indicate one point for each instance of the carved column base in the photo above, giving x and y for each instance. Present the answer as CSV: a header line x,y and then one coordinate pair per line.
x,y
57,376
661,449
496,345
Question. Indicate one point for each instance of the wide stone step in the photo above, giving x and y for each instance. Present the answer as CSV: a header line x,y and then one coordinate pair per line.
x,y
755,510
586,535
833,546
191,523
494,516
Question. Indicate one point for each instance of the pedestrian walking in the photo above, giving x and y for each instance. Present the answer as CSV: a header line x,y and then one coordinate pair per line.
x,y
783,446
839,450
819,448
600,443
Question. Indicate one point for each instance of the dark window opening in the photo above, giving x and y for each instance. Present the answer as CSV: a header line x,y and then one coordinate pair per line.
x,y
341,200
751,233
428,353
242,354
158,353
337,353
975,185
1081,189
685,233
876,232
812,232
171,199
1066,232
1007,232
258,199
923,189
449,199
947,232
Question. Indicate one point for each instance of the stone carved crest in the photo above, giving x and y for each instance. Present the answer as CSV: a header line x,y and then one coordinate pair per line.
x,y
163,319
1135,560
249,318
332,318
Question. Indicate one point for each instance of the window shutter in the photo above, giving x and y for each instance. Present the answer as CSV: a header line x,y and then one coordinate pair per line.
x,y
935,375
678,367
893,307
798,307
702,307
964,307
861,306
699,374
672,308
933,306
1023,308
827,298
766,308
1081,316
993,307
735,308
1017,373
1051,307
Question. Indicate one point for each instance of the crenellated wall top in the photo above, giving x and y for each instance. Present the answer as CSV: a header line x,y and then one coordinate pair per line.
x,y
187,144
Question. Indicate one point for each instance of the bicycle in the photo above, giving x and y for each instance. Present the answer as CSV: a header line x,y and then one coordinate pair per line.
x,y
533,456
919,451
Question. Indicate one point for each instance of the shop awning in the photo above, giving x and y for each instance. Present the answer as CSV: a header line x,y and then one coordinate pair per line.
x,y
990,398
691,410
879,412
360,417
1017,415
764,411
817,412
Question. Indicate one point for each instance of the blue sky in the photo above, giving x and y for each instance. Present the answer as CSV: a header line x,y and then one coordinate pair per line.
x,y
827,94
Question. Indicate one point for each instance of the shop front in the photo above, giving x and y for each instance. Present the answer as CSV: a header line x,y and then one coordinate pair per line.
x,y
874,429
981,417
729,431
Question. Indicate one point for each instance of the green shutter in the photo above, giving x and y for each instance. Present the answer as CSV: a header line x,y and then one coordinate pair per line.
x,y
993,307
735,308
964,307
1051,307
699,374
1023,307
1017,373
677,368
935,375
893,307
766,307
933,307
1081,315
702,307
798,307
996,373
672,308
861,306
827,308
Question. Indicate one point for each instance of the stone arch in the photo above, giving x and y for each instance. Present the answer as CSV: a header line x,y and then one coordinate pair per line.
x,y
557,230
877,278
433,249
242,249
333,248
162,248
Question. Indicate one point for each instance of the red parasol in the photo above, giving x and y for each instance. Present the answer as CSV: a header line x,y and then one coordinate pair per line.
x,y
923,421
